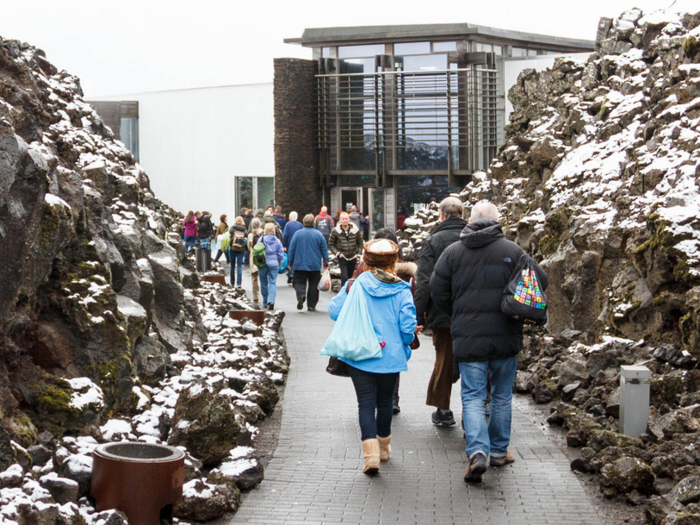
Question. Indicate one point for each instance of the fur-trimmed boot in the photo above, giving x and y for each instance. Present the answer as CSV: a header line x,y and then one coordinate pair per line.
x,y
371,449
384,448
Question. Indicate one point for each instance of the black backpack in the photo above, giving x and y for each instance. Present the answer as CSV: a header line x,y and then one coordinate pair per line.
x,y
523,297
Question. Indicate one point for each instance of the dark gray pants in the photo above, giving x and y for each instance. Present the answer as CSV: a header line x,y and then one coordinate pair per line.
x,y
306,285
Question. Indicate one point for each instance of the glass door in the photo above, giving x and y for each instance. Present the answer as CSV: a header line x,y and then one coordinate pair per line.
x,y
377,215
350,197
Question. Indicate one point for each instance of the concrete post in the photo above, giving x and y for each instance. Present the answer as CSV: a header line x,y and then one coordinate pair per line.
x,y
634,400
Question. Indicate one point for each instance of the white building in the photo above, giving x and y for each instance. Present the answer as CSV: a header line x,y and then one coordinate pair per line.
x,y
203,149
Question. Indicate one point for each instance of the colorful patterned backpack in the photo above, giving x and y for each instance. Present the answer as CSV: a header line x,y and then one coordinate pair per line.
x,y
523,297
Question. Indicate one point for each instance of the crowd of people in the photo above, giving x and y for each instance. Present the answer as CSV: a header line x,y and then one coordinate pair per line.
x,y
302,260
455,291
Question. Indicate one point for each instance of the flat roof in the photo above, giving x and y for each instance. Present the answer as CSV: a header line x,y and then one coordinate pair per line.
x,y
334,36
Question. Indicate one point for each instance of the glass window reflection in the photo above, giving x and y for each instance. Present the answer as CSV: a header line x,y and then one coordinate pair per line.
x,y
266,191
244,193
360,51
412,48
444,46
421,63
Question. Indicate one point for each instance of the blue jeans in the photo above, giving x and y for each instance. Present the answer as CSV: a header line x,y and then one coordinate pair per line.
x,y
268,283
494,438
189,242
236,259
375,396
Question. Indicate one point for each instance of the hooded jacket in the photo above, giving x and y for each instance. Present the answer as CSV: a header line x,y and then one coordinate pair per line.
x,y
349,243
393,316
468,284
274,253
444,234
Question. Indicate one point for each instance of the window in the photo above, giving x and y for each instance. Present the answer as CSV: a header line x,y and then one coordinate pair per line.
x,y
129,135
254,192
412,48
360,51
357,65
421,63
266,191
244,193
444,46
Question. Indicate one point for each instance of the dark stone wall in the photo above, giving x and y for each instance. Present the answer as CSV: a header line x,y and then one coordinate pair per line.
x,y
297,185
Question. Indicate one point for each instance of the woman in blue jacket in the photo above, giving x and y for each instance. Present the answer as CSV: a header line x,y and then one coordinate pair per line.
x,y
274,253
393,315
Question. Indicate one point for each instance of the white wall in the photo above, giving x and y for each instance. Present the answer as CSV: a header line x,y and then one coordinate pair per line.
x,y
514,66
193,142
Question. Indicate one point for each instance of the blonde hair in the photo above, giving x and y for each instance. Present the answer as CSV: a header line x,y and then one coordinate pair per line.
x,y
269,229
239,220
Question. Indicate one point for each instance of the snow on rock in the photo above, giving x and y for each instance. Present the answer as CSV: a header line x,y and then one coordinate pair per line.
x,y
598,179
85,393
243,379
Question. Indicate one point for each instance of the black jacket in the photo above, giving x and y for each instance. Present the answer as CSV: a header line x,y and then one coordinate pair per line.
x,y
444,234
468,284
205,228
348,243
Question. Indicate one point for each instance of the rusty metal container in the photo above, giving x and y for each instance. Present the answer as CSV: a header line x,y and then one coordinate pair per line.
x,y
256,316
142,480
214,278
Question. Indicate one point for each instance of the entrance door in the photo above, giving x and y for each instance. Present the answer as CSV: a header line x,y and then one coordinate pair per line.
x,y
377,209
350,197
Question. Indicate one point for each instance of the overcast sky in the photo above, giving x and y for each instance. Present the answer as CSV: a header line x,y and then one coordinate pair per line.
x,y
149,45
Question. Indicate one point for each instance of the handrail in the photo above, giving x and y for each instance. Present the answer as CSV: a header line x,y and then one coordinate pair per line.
x,y
431,72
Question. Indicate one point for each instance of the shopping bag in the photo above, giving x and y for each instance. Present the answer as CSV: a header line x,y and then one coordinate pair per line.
x,y
284,264
523,297
353,335
324,284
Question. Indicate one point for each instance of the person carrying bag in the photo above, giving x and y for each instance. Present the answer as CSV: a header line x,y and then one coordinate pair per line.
x,y
380,304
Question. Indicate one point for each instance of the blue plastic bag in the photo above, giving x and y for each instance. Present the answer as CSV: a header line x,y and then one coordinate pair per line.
x,y
353,335
284,264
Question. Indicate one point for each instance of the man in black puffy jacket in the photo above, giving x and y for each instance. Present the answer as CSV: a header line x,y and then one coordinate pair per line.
x,y
468,284
440,384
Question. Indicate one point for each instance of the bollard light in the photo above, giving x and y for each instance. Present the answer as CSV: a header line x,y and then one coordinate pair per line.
x,y
634,399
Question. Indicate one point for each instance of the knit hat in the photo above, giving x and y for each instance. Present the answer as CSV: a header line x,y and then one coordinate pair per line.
x,y
381,253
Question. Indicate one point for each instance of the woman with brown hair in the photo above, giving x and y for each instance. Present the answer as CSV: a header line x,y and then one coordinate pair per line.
x,y
392,312
190,235
220,230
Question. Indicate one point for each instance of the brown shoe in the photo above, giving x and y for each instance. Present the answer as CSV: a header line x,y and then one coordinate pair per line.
x,y
508,459
477,467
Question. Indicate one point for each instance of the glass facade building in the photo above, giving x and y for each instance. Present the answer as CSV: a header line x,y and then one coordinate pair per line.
x,y
406,113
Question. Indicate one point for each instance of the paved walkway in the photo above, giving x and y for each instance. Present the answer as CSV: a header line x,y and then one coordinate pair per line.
x,y
315,475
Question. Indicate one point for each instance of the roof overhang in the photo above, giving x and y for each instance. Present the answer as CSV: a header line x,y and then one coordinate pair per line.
x,y
338,36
